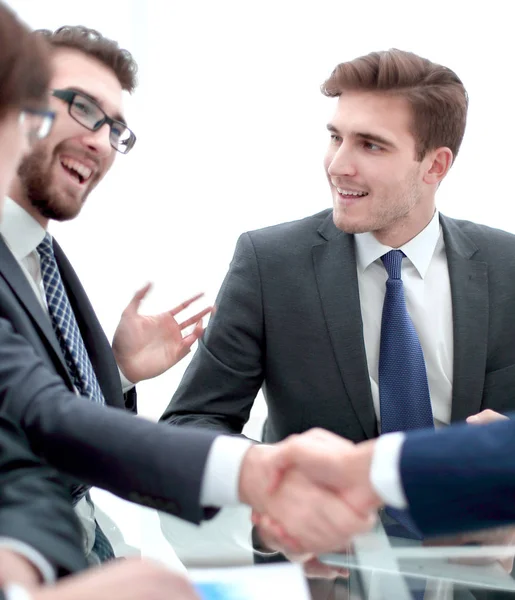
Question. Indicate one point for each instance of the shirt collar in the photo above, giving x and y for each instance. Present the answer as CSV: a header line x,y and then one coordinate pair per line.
x,y
21,232
419,250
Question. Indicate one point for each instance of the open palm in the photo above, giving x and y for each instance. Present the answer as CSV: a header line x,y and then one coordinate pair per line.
x,y
146,346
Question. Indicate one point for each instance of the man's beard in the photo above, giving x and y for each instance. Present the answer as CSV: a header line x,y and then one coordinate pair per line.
x,y
390,210
36,180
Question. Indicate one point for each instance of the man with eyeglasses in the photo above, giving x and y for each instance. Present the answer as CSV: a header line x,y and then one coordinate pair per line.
x,y
40,293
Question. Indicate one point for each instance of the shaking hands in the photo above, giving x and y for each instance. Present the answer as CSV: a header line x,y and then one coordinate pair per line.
x,y
310,493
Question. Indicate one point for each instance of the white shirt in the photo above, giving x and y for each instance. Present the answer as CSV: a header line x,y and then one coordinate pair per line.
x,y
427,290
22,234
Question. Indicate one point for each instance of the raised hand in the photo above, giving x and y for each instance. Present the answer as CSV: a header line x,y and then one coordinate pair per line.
x,y
147,346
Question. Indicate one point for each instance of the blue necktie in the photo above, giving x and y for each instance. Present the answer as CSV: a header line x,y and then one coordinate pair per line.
x,y
75,354
403,389
65,325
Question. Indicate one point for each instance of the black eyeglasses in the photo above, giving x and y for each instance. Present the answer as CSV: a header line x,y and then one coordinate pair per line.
x,y
88,113
37,123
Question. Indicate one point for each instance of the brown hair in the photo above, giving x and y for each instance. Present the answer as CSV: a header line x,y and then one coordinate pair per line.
x,y
94,44
24,64
435,94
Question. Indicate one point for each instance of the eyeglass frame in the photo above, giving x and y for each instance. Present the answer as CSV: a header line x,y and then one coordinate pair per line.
x,y
46,114
69,95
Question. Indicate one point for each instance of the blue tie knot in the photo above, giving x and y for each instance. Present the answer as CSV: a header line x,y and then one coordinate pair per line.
x,y
392,263
45,248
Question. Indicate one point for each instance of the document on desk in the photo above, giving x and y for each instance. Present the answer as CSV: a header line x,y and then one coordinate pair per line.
x,y
273,582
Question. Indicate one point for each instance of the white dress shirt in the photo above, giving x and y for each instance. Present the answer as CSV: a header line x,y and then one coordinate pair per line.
x,y
428,299
22,234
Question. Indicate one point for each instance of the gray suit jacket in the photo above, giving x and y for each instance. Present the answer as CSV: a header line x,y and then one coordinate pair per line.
x,y
35,507
100,445
288,320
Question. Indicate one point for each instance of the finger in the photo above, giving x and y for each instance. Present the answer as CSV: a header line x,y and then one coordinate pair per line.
x,y
185,304
188,340
282,540
196,318
316,569
283,459
134,304
486,416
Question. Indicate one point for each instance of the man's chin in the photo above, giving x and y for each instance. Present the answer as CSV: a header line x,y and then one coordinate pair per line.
x,y
62,209
350,226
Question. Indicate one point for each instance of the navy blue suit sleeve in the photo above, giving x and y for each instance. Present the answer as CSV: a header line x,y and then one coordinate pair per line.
x,y
460,478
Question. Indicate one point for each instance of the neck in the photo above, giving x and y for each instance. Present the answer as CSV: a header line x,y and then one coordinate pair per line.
x,y
19,195
404,230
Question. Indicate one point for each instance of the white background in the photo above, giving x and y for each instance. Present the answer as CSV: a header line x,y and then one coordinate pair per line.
x,y
231,131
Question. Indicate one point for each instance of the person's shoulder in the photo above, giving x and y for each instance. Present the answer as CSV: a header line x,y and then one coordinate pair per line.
x,y
482,235
301,231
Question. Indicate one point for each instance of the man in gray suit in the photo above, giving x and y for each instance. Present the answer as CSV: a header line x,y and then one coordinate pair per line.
x,y
300,311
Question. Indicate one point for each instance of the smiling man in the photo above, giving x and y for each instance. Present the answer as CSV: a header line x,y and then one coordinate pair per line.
x,y
380,314
40,293
57,178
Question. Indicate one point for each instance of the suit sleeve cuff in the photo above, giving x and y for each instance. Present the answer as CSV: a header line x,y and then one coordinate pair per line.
x,y
385,475
32,555
222,472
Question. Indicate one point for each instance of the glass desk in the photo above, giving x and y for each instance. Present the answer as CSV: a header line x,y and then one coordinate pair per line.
x,y
381,567
384,567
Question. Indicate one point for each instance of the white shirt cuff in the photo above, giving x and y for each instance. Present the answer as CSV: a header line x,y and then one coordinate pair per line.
x,y
126,384
13,591
222,473
32,555
385,473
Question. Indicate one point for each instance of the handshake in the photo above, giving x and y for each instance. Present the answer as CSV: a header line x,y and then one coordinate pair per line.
x,y
310,494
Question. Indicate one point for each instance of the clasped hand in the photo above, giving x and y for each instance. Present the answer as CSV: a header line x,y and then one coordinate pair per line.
x,y
310,493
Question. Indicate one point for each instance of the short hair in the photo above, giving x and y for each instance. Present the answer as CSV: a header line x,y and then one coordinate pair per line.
x,y
25,70
94,44
436,95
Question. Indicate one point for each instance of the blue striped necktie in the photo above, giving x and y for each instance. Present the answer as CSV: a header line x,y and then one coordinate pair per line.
x,y
65,325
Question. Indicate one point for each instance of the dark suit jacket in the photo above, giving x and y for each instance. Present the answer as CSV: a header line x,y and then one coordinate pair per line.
x,y
93,444
288,320
99,445
460,478
19,305
35,507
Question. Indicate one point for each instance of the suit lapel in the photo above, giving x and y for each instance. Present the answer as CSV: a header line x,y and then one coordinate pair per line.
x,y
97,345
10,270
470,307
335,270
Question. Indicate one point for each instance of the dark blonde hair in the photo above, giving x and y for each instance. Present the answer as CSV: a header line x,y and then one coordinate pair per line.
x,y
436,95
94,44
24,64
